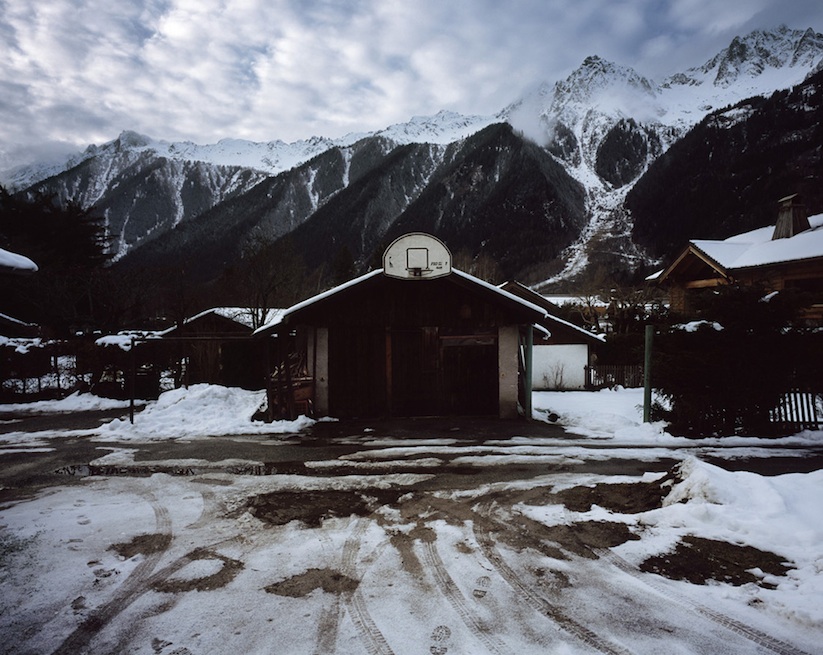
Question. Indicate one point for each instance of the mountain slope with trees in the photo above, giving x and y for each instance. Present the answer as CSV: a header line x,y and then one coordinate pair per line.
x,y
725,176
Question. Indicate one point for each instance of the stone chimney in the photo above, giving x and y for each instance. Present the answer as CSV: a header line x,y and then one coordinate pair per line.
x,y
791,218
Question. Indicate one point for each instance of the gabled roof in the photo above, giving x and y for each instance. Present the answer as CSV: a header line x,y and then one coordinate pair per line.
x,y
242,316
14,264
456,276
550,321
753,249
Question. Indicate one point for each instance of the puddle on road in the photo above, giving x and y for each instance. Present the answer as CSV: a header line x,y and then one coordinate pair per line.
x,y
137,471
252,468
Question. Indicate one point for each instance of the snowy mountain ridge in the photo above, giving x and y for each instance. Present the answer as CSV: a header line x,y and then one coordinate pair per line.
x,y
756,64
270,157
604,123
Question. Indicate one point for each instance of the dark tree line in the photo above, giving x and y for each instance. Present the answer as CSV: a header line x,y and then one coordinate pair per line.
x,y
68,244
77,289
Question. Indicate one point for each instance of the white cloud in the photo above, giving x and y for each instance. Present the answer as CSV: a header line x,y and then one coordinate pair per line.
x,y
80,71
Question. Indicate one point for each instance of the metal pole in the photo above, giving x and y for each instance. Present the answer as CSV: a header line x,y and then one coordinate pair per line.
x,y
527,382
647,376
133,375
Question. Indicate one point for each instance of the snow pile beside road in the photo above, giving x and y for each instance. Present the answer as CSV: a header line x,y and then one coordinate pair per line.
x,y
606,414
76,402
199,412
778,513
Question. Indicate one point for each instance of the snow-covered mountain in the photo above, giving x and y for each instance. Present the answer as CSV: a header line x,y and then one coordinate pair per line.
x,y
608,123
605,124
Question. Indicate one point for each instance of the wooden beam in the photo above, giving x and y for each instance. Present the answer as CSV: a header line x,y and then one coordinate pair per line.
x,y
704,284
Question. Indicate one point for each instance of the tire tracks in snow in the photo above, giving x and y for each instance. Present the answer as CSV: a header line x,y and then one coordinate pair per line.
x,y
539,602
744,630
133,587
452,592
373,639
141,580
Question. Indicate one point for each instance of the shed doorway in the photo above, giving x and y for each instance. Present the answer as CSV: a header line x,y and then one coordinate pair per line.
x,y
434,371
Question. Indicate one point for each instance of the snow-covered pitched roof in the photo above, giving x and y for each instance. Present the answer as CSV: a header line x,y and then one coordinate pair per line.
x,y
754,249
276,320
242,315
502,292
358,280
549,317
11,262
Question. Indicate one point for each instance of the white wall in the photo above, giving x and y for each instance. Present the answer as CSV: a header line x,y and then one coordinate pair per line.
x,y
559,366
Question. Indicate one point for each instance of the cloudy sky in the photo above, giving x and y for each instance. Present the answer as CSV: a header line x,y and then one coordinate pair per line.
x,y
74,72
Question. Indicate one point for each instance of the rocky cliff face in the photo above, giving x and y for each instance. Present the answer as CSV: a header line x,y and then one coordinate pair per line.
x,y
541,187
726,175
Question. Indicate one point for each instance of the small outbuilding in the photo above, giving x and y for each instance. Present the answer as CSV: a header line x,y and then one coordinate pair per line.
x,y
214,347
415,338
562,351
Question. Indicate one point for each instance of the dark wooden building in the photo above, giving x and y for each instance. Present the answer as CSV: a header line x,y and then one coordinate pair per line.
x,y
214,347
786,256
416,338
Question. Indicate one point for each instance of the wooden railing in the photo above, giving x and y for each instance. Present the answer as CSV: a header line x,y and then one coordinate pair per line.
x,y
798,409
600,376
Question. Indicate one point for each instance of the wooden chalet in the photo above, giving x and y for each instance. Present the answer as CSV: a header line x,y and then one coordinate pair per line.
x,y
214,347
562,350
415,338
788,255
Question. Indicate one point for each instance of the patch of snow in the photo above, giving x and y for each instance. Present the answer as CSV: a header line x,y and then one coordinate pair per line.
x,y
199,412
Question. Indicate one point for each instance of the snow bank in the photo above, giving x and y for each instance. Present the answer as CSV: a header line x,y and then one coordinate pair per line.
x,y
615,414
780,514
76,402
198,412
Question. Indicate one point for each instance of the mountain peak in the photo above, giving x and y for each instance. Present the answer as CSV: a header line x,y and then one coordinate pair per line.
x,y
130,139
600,84
758,52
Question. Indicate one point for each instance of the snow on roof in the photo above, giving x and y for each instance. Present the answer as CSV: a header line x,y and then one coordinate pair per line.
x,y
11,262
756,248
506,294
346,285
241,315
16,321
22,345
126,338
276,320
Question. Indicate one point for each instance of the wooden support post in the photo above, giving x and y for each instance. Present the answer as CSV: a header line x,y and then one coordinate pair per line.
x,y
388,373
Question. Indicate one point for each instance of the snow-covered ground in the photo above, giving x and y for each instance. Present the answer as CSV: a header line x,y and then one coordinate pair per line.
x,y
391,547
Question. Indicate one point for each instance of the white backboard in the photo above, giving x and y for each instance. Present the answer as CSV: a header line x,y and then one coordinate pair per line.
x,y
417,256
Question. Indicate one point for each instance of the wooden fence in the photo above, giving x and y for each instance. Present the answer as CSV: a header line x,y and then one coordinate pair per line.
x,y
600,376
798,409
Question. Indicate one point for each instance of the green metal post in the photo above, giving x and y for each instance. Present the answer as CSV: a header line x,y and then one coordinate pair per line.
x,y
132,376
647,376
527,383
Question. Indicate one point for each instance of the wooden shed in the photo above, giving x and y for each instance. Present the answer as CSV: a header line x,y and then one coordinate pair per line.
x,y
214,347
562,350
415,338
